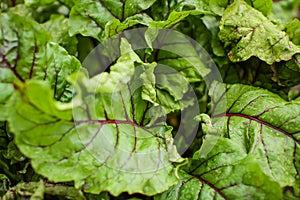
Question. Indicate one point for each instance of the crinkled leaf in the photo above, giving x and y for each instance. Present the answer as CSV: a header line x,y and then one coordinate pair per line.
x,y
166,87
58,26
265,126
104,141
120,73
173,19
224,173
91,18
246,32
114,26
25,53
217,7
21,10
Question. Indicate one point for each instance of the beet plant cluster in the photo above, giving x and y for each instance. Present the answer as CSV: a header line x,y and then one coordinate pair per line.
x,y
154,99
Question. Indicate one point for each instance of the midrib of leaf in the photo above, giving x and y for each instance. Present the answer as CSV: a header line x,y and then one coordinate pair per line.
x,y
94,20
115,122
8,65
111,13
33,59
205,182
91,121
207,160
255,118
217,190
229,115
11,68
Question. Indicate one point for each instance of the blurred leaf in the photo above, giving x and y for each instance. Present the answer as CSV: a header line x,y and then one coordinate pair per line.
x,y
115,17
293,31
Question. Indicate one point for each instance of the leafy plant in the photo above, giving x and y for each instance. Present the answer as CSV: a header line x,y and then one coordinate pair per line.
x,y
169,99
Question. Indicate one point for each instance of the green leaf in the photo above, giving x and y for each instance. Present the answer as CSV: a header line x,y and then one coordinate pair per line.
x,y
114,26
44,3
166,87
294,92
26,53
35,3
21,10
246,32
173,19
92,18
207,7
293,31
225,173
120,72
179,52
217,7
106,141
285,11
266,127
212,24
264,6
58,26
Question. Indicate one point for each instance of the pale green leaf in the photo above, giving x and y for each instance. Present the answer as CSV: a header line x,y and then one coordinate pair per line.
x,y
225,173
246,32
106,142
266,127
